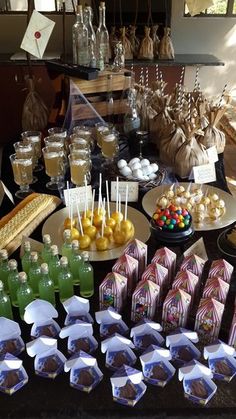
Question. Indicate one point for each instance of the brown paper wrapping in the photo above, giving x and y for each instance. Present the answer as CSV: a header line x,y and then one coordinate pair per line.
x,y
212,135
126,44
135,43
146,47
156,40
166,49
170,145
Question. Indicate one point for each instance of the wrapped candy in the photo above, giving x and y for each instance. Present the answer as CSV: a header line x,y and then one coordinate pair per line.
x,y
166,258
134,40
145,301
146,47
216,288
166,49
128,267
158,274
175,309
113,291
186,281
156,40
194,264
222,269
208,319
126,44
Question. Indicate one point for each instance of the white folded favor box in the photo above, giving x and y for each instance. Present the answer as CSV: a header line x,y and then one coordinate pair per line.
x,y
118,351
12,374
80,337
10,337
157,369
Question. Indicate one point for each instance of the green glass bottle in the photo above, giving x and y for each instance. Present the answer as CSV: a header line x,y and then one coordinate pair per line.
x,y
75,261
4,268
13,281
24,294
46,251
5,304
66,248
54,266
65,280
46,286
86,276
25,260
34,273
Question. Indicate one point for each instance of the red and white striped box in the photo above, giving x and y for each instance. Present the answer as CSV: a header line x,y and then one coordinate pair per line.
x,y
232,332
113,291
187,281
216,288
222,269
166,258
138,250
157,274
175,309
208,319
128,267
194,264
145,301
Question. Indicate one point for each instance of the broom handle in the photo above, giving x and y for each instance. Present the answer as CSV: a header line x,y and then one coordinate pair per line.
x,y
29,13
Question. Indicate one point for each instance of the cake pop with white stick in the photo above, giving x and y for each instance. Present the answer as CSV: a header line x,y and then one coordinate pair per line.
x,y
110,222
86,222
126,225
91,230
102,242
84,239
117,215
98,212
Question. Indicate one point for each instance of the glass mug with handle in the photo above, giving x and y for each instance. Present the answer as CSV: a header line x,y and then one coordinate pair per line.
x,y
24,151
79,170
110,145
54,167
34,138
23,174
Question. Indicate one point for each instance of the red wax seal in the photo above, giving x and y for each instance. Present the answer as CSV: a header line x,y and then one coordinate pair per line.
x,y
37,35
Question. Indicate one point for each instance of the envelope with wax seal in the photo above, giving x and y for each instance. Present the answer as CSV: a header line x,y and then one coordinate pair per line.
x,y
37,34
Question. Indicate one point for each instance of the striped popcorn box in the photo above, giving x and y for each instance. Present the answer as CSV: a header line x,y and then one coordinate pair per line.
x,y
166,258
232,332
194,264
158,274
187,281
208,319
222,269
128,267
175,309
216,288
113,291
138,250
145,301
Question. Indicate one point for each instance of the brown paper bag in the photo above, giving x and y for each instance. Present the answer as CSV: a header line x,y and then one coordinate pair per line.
x,y
146,47
212,135
162,125
134,40
170,145
166,49
126,44
156,40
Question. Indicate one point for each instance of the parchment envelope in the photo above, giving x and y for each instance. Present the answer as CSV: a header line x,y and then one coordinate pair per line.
x,y
197,6
37,34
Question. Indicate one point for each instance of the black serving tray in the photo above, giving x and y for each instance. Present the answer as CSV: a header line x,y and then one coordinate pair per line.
x,y
80,71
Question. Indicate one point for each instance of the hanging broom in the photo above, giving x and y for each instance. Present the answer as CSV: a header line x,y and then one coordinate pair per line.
x,y
35,112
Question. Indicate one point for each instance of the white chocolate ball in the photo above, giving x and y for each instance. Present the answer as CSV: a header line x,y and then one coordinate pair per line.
x,y
214,197
162,202
136,166
133,161
145,162
137,174
152,176
220,203
147,170
154,167
126,171
121,163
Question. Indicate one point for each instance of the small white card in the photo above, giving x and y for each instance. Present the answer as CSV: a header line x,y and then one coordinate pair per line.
x,y
133,188
205,173
77,195
3,191
212,154
198,248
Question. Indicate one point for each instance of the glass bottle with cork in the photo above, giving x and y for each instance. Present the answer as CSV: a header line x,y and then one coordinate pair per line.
x,y
34,273
65,280
54,266
66,248
5,304
25,259
102,35
88,17
4,268
13,281
86,276
46,285
75,262
24,294
46,251
80,39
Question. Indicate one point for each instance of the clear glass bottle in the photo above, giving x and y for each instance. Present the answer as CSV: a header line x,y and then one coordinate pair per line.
x,y
13,281
5,304
110,100
86,276
88,17
4,268
46,285
24,294
46,251
80,39
75,262
34,273
131,118
65,280
25,260
102,35
54,266
124,98
66,247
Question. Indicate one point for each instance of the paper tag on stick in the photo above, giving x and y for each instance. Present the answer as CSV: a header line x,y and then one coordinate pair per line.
x,y
132,191
205,173
76,196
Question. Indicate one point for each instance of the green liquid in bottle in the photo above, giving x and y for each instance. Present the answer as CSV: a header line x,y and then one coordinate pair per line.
x,y
46,286
34,273
5,304
65,280
24,294
25,260
86,276
46,253
54,266
75,262
66,248
4,268
13,281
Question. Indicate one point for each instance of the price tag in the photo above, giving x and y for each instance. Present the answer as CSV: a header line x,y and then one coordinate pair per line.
x,y
76,196
198,248
205,173
3,191
132,191
212,154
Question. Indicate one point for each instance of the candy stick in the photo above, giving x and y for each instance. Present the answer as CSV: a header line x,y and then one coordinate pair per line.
x,y
92,210
146,77
157,72
79,218
189,107
222,96
126,200
117,193
108,200
119,207
103,216
141,76
181,76
86,198
100,192
196,80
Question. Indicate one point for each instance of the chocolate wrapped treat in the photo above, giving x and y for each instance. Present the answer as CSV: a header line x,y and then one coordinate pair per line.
x,y
9,346
46,331
198,389
113,328
85,378
128,391
82,344
119,359
11,379
159,373
185,354
50,364
221,367
148,340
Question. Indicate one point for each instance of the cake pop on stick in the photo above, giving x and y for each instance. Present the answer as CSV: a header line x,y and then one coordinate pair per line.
x,y
110,222
97,218
85,219
119,235
117,215
91,230
102,242
126,226
84,239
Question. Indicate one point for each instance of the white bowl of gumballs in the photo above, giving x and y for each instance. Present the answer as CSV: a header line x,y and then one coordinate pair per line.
x,y
171,224
140,169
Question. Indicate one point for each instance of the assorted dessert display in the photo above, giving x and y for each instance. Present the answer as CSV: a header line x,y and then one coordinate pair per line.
x,y
138,169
